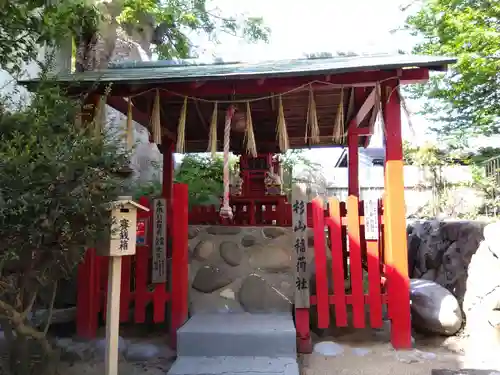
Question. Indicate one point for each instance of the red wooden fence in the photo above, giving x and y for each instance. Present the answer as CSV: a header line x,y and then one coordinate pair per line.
x,y
264,215
341,219
136,288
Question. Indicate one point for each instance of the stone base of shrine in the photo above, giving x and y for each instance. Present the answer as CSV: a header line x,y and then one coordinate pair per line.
x,y
242,269
227,344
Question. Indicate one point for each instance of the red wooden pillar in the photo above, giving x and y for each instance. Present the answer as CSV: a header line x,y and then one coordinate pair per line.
x,y
87,297
353,146
353,160
87,286
179,271
168,176
396,254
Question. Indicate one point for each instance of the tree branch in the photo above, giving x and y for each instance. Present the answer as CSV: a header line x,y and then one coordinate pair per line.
x,y
51,308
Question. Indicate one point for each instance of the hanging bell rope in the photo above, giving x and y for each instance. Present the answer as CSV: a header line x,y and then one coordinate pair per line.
x,y
156,120
338,129
129,130
312,119
249,134
212,140
281,131
226,211
181,128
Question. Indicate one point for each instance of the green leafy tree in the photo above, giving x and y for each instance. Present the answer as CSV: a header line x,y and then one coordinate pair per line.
x,y
55,180
204,176
465,101
175,19
28,24
163,26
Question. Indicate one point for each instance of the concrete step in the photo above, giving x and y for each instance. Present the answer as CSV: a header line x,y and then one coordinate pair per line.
x,y
238,334
234,366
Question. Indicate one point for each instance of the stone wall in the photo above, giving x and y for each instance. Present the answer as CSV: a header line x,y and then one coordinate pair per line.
x,y
441,251
236,269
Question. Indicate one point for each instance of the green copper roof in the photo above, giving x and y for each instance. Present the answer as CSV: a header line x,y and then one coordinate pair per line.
x,y
171,71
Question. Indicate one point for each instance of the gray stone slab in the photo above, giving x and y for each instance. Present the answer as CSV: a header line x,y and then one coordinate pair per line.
x,y
234,366
238,334
464,372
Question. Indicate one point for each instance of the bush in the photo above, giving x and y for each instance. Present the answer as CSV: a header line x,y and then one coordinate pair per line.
x,y
55,179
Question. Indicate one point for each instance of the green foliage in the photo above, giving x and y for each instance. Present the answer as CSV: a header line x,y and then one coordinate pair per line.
x,y
27,24
204,177
488,186
292,160
176,19
149,189
55,182
483,154
465,102
427,155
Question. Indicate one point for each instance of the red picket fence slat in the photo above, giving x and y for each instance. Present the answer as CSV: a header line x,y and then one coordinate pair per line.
x,y
318,218
334,224
374,276
355,264
345,224
263,215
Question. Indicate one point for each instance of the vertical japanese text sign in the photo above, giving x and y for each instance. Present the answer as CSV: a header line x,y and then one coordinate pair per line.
x,y
123,216
299,227
371,219
159,269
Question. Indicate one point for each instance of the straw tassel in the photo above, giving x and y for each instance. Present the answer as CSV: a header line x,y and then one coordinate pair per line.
x,y
212,140
129,131
338,130
155,120
249,134
312,119
181,128
281,131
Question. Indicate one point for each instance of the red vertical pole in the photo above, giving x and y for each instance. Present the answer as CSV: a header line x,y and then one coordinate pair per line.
x,y
353,160
179,271
168,177
143,253
323,307
87,297
355,266
302,326
394,221
334,223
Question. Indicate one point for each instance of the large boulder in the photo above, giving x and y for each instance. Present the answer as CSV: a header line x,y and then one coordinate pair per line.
x,y
482,301
441,251
434,309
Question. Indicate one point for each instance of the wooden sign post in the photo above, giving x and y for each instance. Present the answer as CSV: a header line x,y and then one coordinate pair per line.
x,y
159,256
299,226
122,241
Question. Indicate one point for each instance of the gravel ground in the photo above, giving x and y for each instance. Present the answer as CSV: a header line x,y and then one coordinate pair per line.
x,y
369,352
355,352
